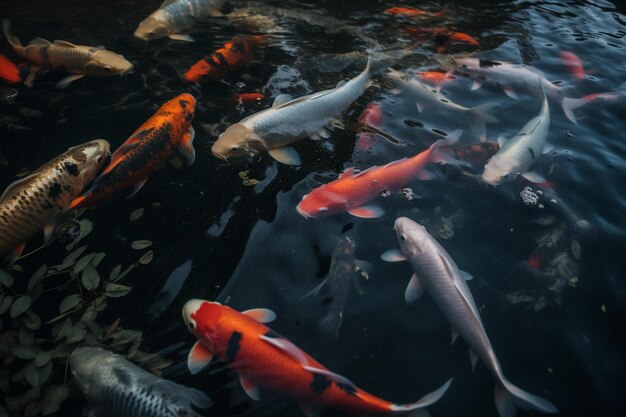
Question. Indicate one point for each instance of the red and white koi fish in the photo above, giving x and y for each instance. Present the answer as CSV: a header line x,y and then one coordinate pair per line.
x,y
371,116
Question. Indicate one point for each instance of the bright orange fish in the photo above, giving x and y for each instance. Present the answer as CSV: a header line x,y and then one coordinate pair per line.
x,y
441,37
352,191
409,11
436,77
247,98
574,64
263,358
371,116
8,71
155,142
233,57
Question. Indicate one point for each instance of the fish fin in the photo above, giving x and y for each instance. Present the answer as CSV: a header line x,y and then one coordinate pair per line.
x,y
534,176
363,268
571,104
182,395
65,82
15,186
167,3
466,276
420,107
181,37
186,148
262,315
476,85
441,151
425,175
6,29
479,115
14,254
548,148
199,357
414,290
315,291
118,156
250,388
39,42
49,233
507,396
310,409
341,83
287,347
282,99
511,93
314,136
348,172
286,155
473,359
323,133
371,211
335,377
393,255
423,402
501,140
137,187
455,335
331,324
64,44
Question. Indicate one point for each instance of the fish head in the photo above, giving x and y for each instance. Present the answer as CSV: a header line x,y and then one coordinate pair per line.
x,y
153,27
87,364
468,65
321,202
90,158
413,238
345,246
202,319
500,170
237,140
105,63
183,105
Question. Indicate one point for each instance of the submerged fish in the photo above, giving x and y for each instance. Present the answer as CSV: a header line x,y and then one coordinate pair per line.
x,y
413,12
156,141
518,154
574,64
273,129
247,98
230,59
437,274
437,78
174,16
39,201
8,71
263,358
431,100
353,191
116,387
371,117
80,60
441,37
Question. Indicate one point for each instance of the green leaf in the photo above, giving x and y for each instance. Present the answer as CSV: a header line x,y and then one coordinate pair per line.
x,y
20,306
76,333
31,374
116,290
26,336
90,278
141,244
24,352
39,274
33,408
127,271
73,256
5,304
6,279
42,359
146,258
70,302
32,320
97,259
83,262
136,215
53,398
115,273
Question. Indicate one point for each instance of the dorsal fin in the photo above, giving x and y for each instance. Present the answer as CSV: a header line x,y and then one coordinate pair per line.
x,y
167,3
15,186
348,172
65,44
39,42
301,99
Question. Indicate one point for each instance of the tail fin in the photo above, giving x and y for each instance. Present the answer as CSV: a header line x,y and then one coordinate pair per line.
x,y
13,40
508,396
479,116
571,104
441,151
416,408
331,324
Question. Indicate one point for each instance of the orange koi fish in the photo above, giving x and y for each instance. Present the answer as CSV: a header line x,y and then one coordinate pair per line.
x,y
8,71
412,12
156,141
436,78
263,358
247,98
574,64
352,191
441,37
371,116
233,57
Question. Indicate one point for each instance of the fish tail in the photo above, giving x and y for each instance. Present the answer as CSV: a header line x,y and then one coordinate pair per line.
x,y
571,104
417,408
479,117
508,396
13,40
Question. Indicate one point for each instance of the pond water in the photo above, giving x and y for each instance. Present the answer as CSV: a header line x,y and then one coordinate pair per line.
x,y
548,275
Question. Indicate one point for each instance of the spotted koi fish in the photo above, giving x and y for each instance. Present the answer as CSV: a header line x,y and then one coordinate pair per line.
x,y
40,200
263,358
8,71
233,57
153,143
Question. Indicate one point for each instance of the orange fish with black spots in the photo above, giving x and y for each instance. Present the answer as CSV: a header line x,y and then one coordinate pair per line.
x,y
233,57
263,358
156,141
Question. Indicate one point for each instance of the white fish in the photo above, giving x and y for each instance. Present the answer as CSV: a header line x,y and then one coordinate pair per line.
x,y
273,129
513,78
115,387
430,99
436,273
174,16
519,153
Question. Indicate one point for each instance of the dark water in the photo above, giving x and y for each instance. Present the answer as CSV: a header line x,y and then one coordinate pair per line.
x,y
216,238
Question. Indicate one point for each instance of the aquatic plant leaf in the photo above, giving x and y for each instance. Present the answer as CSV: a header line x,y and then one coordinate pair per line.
x,y
32,409
5,304
146,258
136,215
32,320
116,290
70,302
39,274
76,333
73,256
6,279
26,336
82,263
3,411
23,352
123,337
53,398
97,259
115,273
141,244
90,278
20,305
35,292
85,228
42,359
100,303
126,272
31,373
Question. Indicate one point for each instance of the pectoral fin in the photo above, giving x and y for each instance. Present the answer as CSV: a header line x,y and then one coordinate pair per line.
x,y
414,290
393,255
281,99
286,155
371,211
473,359
250,388
181,37
455,335
511,93
14,254
534,176
186,149
137,187
262,315
65,82
199,357
49,233
476,85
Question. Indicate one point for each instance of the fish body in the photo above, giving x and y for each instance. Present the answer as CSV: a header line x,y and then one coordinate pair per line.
x,y
232,58
436,273
519,153
64,56
574,64
115,387
371,117
247,98
263,358
174,16
8,71
39,201
273,129
352,191
166,133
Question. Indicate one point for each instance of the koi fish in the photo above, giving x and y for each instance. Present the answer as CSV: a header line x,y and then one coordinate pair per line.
x,y
412,12
574,64
441,37
436,272
431,100
289,121
518,154
247,98
156,141
174,16
476,154
8,71
233,57
353,191
436,78
40,200
371,116
263,358
116,387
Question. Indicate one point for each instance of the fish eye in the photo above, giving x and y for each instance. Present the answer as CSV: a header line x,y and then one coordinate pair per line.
x,y
191,325
234,148
107,68
403,237
99,159
464,65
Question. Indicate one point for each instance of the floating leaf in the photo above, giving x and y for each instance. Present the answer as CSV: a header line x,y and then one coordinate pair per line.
x,y
72,257
42,359
126,272
31,374
5,304
90,278
146,258
6,279
136,215
70,302
20,306
26,336
97,259
33,409
82,263
32,320
115,273
55,395
39,274
116,290
76,333
24,352
141,244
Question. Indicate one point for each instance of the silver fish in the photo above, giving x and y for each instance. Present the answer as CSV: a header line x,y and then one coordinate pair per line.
x,y
430,99
273,129
174,16
436,273
519,153
115,387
